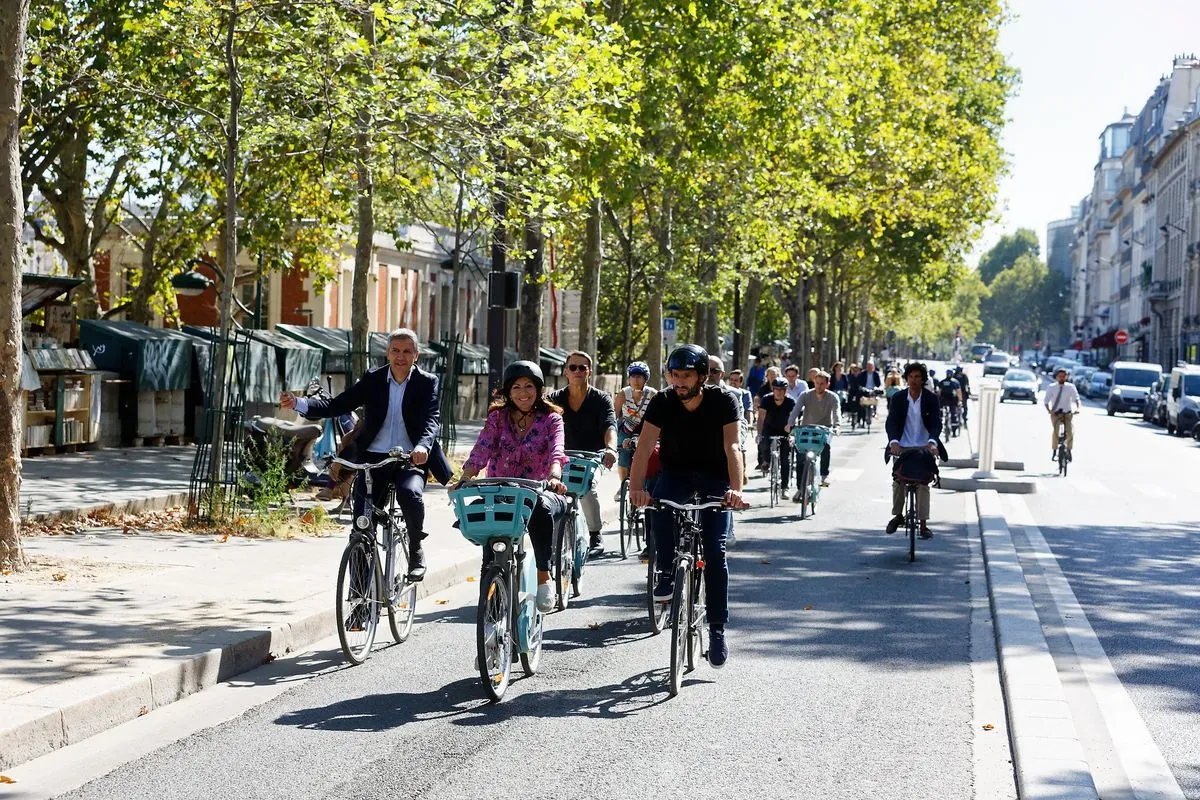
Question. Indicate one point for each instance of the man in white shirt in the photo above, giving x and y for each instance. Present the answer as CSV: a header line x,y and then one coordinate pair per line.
x,y
1062,399
796,387
914,421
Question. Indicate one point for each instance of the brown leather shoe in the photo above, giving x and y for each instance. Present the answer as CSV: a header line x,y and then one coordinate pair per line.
x,y
894,524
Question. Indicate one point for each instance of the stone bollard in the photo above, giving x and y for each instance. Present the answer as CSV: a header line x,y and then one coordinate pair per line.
x,y
989,396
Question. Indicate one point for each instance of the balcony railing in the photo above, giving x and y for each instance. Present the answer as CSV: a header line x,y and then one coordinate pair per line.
x,y
1157,290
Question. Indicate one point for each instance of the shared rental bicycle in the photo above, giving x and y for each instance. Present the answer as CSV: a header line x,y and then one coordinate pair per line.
x,y
373,573
494,513
1062,454
687,607
571,539
809,441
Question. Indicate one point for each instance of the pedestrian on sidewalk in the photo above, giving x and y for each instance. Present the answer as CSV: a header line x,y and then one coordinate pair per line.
x,y
590,423
400,410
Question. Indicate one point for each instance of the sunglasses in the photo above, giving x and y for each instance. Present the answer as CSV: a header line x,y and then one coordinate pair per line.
x,y
576,367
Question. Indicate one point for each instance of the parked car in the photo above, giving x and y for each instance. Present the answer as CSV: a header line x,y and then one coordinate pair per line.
x,y
1183,399
1051,364
1081,376
1131,383
995,364
1100,383
1019,384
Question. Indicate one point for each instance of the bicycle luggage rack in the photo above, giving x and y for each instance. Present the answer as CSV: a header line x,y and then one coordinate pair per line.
x,y
487,512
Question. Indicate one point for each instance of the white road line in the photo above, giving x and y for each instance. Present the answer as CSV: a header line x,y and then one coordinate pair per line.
x,y
1152,491
1088,486
1143,763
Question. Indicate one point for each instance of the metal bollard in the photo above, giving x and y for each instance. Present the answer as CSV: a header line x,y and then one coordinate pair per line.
x,y
989,396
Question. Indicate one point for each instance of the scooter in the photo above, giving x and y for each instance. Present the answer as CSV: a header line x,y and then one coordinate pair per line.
x,y
299,439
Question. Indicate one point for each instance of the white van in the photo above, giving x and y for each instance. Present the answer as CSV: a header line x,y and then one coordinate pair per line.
x,y
1183,399
1131,382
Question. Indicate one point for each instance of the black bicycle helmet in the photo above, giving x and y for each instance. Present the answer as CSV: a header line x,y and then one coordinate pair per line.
x,y
522,369
689,356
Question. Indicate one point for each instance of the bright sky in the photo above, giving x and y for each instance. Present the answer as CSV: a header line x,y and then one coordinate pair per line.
x,y
1082,63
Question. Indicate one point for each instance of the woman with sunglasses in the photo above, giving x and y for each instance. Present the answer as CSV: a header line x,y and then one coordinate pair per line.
x,y
634,399
522,437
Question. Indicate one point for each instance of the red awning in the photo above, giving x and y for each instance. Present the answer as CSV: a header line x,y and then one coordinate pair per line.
x,y
1105,340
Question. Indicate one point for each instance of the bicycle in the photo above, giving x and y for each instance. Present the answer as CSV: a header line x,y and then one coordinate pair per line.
x,y
494,513
1063,453
364,584
950,424
868,406
571,541
914,478
809,442
775,471
632,520
687,608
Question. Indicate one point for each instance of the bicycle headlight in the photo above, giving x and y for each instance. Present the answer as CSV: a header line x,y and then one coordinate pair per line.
x,y
499,547
362,522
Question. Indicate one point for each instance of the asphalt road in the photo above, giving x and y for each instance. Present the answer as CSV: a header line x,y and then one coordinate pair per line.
x,y
849,676
1123,527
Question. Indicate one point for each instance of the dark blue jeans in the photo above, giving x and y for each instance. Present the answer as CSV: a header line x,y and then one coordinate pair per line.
x,y
715,525
410,492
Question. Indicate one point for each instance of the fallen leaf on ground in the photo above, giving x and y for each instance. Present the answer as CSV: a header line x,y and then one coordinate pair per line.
x,y
470,579
441,602
269,658
225,538
764,561
6,779
59,576
808,607
988,727
143,711
594,626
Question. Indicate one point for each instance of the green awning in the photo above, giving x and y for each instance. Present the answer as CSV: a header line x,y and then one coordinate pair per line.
x,y
257,362
298,363
156,359
334,343
38,290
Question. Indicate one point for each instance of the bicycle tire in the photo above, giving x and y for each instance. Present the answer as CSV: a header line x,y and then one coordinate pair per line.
x,y
638,524
911,520
564,563
493,632
803,487
696,613
623,521
402,594
1062,461
532,658
679,626
658,612
355,610
774,479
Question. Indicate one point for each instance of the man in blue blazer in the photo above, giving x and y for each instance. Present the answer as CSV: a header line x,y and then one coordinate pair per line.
x,y
400,409
914,420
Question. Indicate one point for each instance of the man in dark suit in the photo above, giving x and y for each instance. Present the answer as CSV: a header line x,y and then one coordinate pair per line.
x,y
914,420
400,403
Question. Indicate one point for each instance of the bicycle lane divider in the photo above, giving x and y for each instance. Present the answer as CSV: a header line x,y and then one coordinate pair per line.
x,y
1048,757
62,713
1127,761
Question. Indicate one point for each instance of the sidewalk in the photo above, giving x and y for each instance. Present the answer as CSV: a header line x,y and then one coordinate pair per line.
x,y
107,625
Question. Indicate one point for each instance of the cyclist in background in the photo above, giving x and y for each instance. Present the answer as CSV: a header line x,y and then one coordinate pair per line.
x,y
949,393
964,382
697,427
816,407
773,416
1061,398
736,381
633,398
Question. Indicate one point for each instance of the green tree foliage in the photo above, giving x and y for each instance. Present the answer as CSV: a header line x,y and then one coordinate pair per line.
x,y
1005,253
1026,301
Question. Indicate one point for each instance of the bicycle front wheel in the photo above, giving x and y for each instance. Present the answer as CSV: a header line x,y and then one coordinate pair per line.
x,y
680,633
359,585
493,632
696,650
803,489
626,524
564,563
402,594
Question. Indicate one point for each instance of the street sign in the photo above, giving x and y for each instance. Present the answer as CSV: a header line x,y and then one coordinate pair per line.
x,y
669,331
1121,336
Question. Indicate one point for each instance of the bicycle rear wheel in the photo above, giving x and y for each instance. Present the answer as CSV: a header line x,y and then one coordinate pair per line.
x,y
680,616
493,632
623,516
696,649
658,612
359,584
911,519
564,562
531,658
1062,460
402,594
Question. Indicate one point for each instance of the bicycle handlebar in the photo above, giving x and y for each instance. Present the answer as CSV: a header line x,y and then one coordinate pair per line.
x,y
524,483
394,456
710,503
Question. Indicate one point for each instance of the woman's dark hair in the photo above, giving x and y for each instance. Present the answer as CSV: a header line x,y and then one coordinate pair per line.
x,y
836,366
502,401
916,366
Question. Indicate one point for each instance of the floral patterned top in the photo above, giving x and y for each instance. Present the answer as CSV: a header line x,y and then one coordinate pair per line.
x,y
631,413
507,455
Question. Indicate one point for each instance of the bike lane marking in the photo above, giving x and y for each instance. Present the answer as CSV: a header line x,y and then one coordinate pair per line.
x,y
1120,748
1152,491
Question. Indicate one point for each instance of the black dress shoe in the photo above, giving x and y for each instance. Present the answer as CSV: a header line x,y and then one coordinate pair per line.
x,y
925,532
416,562
894,524
596,546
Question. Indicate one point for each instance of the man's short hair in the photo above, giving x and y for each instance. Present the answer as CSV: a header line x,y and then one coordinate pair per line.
x,y
405,333
791,367
580,354
822,374
735,372
916,366
1063,370
715,364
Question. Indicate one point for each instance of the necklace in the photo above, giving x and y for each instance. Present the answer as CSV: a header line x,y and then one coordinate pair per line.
x,y
522,421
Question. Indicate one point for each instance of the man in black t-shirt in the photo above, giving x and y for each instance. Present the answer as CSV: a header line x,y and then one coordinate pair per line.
x,y
773,414
949,393
696,428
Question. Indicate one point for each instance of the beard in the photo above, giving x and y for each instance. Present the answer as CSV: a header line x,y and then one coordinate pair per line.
x,y
689,394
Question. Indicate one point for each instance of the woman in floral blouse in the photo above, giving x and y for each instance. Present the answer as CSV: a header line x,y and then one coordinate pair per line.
x,y
523,438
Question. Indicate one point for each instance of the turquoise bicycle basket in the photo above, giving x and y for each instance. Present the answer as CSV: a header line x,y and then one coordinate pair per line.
x,y
810,438
579,474
488,512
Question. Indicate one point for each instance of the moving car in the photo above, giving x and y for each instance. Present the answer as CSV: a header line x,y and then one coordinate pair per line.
x,y
979,352
1100,383
1131,383
1019,384
995,364
1081,376
1183,399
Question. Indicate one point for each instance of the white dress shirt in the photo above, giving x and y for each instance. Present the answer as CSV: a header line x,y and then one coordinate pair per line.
x,y
800,388
1061,397
915,434
392,433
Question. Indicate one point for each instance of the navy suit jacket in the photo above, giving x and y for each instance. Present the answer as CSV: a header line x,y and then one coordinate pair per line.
x,y
931,416
422,414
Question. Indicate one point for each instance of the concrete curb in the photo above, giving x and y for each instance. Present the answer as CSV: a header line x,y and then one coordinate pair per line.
x,y
135,506
1048,757
63,714
1000,485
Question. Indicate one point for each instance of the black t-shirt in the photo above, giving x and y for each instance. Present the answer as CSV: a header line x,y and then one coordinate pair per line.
x,y
947,387
584,429
777,415
693,441
965,383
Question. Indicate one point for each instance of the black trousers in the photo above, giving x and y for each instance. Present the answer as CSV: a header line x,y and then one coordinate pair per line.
x,y
410,492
